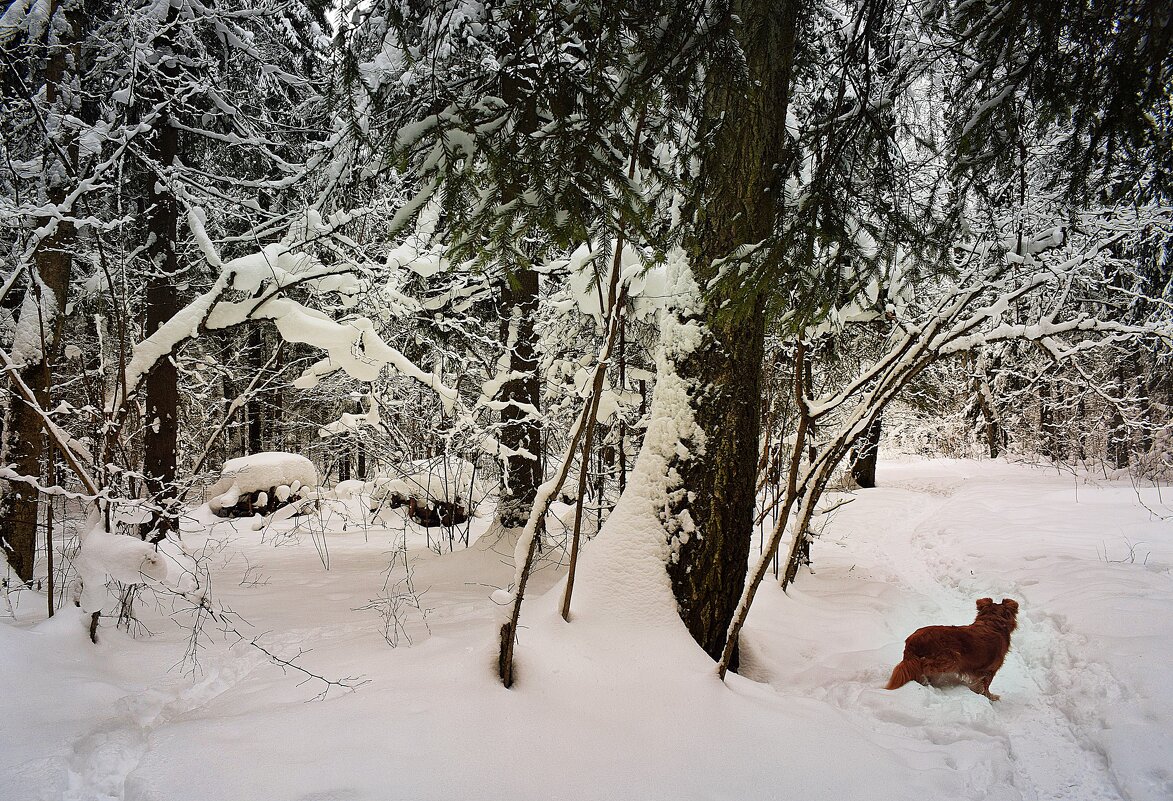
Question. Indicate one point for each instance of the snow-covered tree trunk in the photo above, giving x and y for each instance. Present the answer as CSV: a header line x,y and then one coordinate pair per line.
x,y
1118,445
39,323
864,454
709,520
521,432
984,404
22,449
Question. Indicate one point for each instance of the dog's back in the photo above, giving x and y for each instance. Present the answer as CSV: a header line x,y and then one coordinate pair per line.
x,y
971,654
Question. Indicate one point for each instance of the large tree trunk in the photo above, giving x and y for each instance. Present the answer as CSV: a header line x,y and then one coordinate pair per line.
x,y
22,427
41,319
709,567
734,205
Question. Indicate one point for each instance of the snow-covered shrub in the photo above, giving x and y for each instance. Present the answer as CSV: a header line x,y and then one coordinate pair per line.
x,y
439,491
1156,463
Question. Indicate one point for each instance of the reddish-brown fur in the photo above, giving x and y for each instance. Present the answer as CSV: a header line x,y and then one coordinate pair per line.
x,y
969,655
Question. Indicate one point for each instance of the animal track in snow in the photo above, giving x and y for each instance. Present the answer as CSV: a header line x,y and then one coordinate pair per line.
x,y
102,759
1053,701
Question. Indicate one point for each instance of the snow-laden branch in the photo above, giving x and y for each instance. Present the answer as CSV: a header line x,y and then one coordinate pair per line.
x,y
57,435
265,278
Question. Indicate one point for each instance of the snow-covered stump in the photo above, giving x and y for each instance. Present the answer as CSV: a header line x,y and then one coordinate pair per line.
x,y
261,482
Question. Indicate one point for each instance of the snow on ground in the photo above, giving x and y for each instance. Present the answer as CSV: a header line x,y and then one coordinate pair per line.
x,y
603,709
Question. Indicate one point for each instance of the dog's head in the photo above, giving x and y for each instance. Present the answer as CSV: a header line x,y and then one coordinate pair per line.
x,y
1007,610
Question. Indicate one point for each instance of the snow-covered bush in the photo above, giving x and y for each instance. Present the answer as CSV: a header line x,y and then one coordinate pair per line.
x,y
439,491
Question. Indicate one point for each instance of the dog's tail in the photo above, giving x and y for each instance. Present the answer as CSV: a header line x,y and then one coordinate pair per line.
x,y
908,670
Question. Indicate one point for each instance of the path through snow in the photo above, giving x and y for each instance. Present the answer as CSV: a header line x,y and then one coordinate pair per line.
x,y
925,545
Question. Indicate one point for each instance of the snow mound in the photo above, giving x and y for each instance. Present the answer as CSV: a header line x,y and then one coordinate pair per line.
x,y
106,556
282,472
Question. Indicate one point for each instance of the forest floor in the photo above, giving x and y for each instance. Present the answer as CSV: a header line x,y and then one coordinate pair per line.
x,y
1086,712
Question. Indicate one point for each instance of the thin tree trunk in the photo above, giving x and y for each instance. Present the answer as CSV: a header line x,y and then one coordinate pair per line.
x,y
547,491
1047,438
255,405
615,316
1118,450
984,400
622,421
51,479
160,440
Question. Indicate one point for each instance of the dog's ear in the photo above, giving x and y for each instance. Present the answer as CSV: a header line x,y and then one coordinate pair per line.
x,y
1010,604
984,603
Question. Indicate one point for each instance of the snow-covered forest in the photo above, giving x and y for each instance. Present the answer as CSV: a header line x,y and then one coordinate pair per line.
x,y
576,399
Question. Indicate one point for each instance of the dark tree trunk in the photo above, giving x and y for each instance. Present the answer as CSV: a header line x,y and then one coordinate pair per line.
x,y
162,393
22,445
22,442
734,205
276,415
983,401
232,445
864,454
1048,429
708,575
520,428
256,426
521,432
255,406
1118,445
160,440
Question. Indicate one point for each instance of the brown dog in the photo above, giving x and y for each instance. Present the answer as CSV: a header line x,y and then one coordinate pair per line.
x,y
969,655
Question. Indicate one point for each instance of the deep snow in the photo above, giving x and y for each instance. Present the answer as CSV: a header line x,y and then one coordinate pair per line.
x,y
616,704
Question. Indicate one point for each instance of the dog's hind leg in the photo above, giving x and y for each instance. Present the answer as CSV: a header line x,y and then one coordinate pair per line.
x,y
981,686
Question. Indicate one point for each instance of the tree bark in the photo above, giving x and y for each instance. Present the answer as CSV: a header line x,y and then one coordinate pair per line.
x,y
49,287
864,454
734,205
19,503
160,440
255,405
521,433
162,393
1118,445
